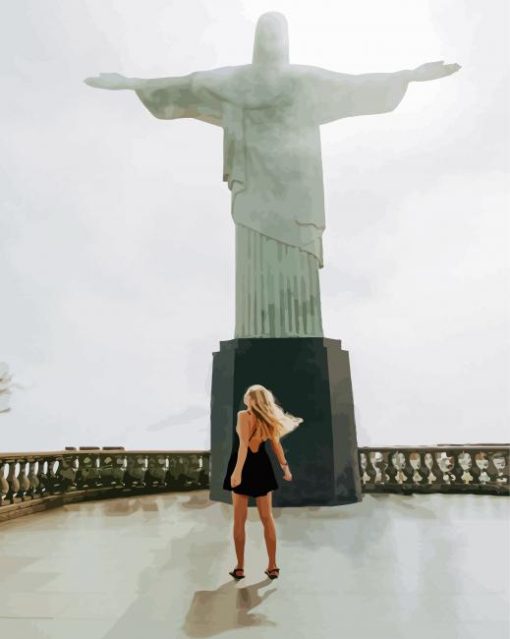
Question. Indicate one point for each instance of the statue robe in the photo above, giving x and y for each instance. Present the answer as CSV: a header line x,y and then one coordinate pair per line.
x,y
272,163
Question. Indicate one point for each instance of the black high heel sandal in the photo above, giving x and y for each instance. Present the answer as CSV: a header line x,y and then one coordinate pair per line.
x,y
268,573
233,573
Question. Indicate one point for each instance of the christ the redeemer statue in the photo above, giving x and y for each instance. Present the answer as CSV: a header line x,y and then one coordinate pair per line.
x,y
271,112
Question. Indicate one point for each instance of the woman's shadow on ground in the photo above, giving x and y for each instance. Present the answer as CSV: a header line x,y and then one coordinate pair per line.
x,y
215,611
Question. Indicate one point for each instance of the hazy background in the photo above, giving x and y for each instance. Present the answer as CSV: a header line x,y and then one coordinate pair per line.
x,y
117,245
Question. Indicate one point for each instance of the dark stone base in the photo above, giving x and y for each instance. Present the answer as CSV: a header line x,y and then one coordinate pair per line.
x,y
310,378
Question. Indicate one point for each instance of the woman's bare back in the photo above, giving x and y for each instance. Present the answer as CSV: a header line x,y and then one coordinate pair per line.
x,y
255,441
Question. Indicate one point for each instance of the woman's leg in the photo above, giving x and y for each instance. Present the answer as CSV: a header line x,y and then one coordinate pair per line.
x,y
240,503
264,504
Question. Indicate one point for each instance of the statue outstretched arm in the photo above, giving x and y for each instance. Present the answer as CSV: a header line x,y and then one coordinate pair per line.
x,y
342,95
165,98
432,71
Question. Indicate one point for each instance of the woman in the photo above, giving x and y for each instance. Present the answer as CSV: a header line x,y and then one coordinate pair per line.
x,y
250,473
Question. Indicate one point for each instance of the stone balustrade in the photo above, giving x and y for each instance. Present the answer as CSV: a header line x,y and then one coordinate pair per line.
x,y
38,480
34,481
445,468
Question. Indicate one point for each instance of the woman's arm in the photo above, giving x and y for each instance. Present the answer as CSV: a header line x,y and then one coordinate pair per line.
x,y
244,433
278,451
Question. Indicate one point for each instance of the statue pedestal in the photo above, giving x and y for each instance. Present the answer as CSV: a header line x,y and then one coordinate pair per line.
x,y
310,378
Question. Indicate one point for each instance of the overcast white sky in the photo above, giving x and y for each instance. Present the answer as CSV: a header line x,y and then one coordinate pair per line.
x,y
117,245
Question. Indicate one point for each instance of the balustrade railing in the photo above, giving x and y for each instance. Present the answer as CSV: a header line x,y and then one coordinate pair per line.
x,y
445,468
33,481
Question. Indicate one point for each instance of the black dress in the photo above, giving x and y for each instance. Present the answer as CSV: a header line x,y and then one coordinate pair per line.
x,y
257,475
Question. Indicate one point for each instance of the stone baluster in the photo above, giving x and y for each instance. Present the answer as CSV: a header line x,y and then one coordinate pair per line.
x,y
4,484
13,481
136,469
33,478
24,482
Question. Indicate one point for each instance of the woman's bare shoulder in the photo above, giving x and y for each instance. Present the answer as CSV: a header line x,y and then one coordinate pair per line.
x,y
245,415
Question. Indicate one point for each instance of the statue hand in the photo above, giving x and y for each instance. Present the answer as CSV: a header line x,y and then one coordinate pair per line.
x,y
114,81
433,71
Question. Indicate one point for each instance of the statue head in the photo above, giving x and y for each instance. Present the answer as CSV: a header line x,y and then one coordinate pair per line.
x,y
271,46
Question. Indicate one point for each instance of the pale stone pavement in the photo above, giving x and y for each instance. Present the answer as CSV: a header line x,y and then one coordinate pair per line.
x,y
154,567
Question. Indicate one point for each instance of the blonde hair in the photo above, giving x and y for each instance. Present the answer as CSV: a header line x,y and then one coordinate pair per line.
x,y
272,421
